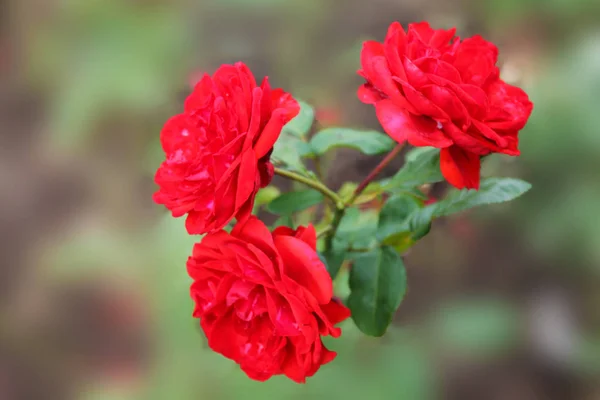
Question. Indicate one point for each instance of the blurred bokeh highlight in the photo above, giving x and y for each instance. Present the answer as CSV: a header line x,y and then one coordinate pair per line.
x,y
503,302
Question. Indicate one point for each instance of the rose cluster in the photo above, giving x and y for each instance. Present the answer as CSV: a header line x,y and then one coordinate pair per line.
x,y
264,297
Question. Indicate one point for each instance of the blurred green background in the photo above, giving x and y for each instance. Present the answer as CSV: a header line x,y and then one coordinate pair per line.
x,y
503,302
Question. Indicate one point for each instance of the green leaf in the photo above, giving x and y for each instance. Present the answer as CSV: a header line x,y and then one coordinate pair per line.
x,y
357,229
377,284
420,222
414,192
285,220
396,227
491,190
422,166
341,242
348,225
333,260
347,190
291,202
394,217
265,196
367,142
400,230
341,286
300,125
289,150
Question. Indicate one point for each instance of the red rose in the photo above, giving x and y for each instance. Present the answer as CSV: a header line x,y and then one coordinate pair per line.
x,y
217,150
265,299
433,90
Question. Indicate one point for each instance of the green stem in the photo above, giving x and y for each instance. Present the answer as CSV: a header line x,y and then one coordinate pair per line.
x,y
339,213
376,171
335,223
340,205
337,200
318,169
324,231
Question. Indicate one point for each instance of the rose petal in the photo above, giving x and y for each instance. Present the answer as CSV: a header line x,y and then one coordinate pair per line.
x,y
293,369
335,311
255,116
247,184
476,60
302,264
197,222
473,143
254,231
284,320
285,101
510,107
394,49
368,94
401,126
270,133
447,100
179,134
421,104
393,119
460,168
307,234
223,338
